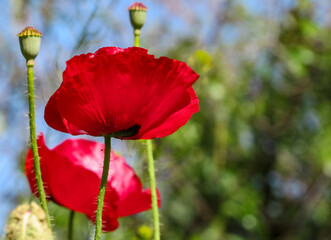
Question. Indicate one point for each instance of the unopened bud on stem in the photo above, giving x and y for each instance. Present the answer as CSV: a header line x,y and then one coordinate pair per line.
x,y
137,15
30,43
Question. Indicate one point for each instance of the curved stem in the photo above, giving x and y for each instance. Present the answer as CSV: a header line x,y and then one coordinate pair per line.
x,y
151,172
71,225
33,139
102,190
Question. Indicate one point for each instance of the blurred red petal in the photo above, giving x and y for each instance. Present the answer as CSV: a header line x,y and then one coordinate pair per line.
x,y
132,198
29,168
72,173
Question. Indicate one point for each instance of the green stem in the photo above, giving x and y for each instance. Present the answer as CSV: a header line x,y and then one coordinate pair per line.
x,y
102,191
71,225
136,38
151,172
33,138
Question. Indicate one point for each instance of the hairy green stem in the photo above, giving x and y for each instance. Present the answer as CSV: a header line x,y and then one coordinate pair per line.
x,y
151,172
71,225
33,138
102,190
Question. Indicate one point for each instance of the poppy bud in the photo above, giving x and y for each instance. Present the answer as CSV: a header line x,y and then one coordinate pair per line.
x,y
29,42
28,222
137,15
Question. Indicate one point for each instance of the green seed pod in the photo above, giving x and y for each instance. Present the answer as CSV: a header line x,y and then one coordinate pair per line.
x,y
30,42
28,222
137,15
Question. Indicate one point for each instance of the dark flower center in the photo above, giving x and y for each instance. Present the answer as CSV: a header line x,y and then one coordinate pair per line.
x,y
131,131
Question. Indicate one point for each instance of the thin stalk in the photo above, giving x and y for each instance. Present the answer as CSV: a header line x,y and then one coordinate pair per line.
x,y
33,139
151,171
71,225
136,37
102,190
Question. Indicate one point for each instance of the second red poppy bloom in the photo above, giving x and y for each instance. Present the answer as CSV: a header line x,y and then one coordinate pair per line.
x,y
125,93
71,174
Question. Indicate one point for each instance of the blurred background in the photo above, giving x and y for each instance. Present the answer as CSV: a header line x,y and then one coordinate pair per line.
x,y
254,163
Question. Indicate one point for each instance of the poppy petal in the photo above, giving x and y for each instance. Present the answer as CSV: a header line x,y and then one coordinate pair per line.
x,y
54,118
109,216
132,198
176,120
136,202
116,90
79,163
29,168
72,173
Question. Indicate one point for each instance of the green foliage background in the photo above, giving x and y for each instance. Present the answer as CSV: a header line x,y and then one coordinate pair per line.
x,y
255,162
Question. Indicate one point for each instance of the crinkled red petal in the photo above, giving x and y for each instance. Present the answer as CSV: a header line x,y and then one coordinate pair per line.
x,y
116,89
175,120
54,118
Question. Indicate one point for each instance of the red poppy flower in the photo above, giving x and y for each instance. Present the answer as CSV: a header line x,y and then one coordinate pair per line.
x,y
123,92
72,173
